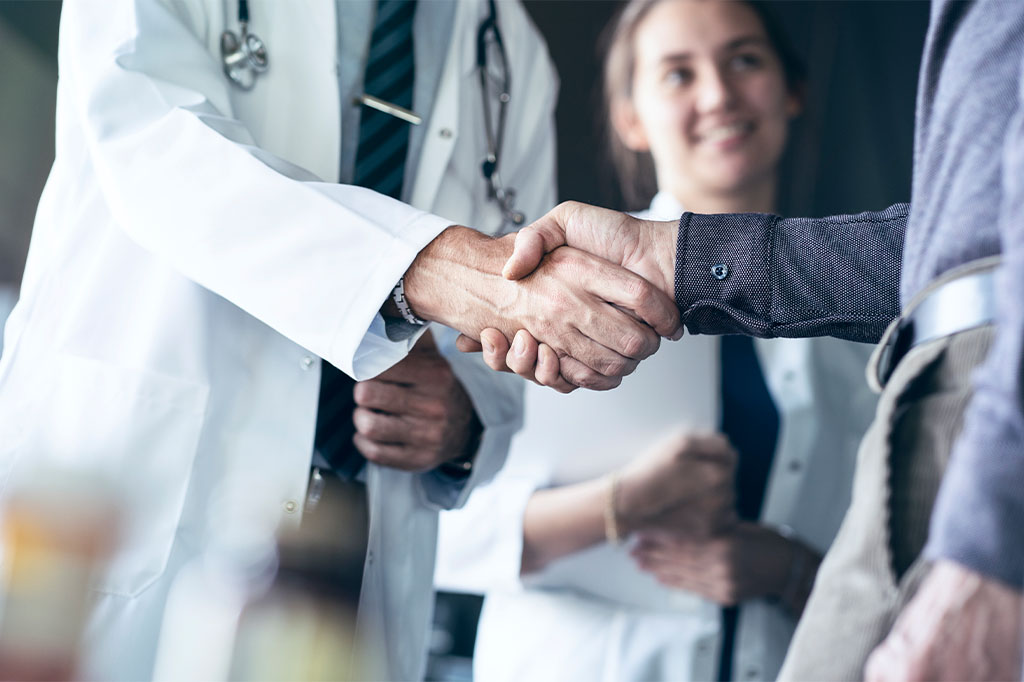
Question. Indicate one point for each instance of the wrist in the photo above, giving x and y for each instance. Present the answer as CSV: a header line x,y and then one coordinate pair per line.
x,y
660,255
461,466
798,578
614,531
456,279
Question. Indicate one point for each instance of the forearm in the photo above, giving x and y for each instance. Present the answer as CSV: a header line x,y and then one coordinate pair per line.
x,y
456,280
979,511
562,521
836,276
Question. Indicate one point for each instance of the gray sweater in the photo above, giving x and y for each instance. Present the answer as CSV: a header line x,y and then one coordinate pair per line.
x,y
848,276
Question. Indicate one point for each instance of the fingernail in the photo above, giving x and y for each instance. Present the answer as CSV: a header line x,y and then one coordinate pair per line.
x,y
488,346
678,335
542,360
518,345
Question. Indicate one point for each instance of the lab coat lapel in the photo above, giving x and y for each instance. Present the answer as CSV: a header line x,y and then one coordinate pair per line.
x,y
439,142
294,110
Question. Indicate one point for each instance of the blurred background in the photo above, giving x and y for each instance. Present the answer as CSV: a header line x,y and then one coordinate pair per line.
x,y
850,152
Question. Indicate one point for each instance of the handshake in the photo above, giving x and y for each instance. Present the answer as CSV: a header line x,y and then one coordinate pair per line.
x,y
577,299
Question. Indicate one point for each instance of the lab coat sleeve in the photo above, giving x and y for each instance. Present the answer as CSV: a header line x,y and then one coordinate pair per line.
x,y
186,181
528,166
480,547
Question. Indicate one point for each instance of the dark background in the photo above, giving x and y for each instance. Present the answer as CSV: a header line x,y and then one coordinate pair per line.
x,y
850,151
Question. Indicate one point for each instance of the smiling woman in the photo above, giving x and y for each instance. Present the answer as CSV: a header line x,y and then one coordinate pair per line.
x,y
700,96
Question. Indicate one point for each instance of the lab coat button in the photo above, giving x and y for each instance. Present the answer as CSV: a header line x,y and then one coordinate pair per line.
x,y
290,506
795,466
306,362
445,133
369,557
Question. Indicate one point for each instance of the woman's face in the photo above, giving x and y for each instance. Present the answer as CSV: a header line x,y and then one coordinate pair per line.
x,y
709,99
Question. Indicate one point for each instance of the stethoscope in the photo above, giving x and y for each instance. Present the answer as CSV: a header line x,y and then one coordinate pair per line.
x,y
490,34
245,57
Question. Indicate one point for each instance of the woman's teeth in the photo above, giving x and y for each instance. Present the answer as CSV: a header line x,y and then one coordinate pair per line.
x,y
719,133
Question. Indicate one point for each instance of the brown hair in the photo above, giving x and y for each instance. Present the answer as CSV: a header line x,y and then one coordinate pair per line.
x,y
635,170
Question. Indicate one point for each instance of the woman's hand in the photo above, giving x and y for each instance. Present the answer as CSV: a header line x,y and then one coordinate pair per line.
x,y
747,562
684,486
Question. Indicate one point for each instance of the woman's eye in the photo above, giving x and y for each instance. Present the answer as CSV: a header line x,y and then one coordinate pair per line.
x,y
746,61
679,76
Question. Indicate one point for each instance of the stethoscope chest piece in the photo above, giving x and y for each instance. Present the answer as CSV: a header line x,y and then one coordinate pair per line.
x,y
244,57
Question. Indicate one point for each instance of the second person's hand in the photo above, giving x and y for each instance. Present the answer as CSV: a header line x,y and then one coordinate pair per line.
x,y
683,486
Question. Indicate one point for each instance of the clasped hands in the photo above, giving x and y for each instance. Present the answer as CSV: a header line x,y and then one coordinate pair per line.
x,y
587,288
677,501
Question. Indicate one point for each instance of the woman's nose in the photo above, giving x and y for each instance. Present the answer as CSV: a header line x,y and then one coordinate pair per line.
x,y
714,91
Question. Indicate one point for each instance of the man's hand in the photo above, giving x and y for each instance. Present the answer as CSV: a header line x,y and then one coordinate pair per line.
x,y
598,318
646,247
416,415
684,486
747,562
959,626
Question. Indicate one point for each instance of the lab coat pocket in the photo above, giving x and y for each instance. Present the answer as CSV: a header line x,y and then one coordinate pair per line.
x,y
138,430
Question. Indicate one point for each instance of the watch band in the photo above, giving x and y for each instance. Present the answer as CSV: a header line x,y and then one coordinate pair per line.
x,y
398,295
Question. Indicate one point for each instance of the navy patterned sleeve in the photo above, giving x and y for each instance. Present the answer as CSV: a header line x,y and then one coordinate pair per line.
x,y
766,276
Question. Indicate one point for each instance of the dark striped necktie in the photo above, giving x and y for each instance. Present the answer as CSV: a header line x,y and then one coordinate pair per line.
x,y
380,166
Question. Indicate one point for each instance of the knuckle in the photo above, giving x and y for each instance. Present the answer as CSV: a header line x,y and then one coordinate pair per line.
x,y
637,345
612,367
637,291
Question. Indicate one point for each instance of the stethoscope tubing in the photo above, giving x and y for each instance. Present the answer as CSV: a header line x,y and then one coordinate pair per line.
x,y
244,57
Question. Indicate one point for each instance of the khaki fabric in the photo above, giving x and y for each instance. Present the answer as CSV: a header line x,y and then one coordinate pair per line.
x,y
874,566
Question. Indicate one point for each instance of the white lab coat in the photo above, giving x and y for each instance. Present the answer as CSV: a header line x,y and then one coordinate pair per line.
x,y
193,259
8,296
594,615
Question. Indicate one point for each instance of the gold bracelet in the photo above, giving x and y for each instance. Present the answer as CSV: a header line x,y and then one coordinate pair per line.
x,y
611,519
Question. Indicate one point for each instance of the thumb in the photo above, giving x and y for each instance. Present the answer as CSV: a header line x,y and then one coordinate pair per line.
x,y
527,254
467,344
533,241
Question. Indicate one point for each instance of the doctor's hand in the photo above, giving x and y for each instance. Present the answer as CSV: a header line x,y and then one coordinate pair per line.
x,y
599,319
683,487
959,626
416,415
